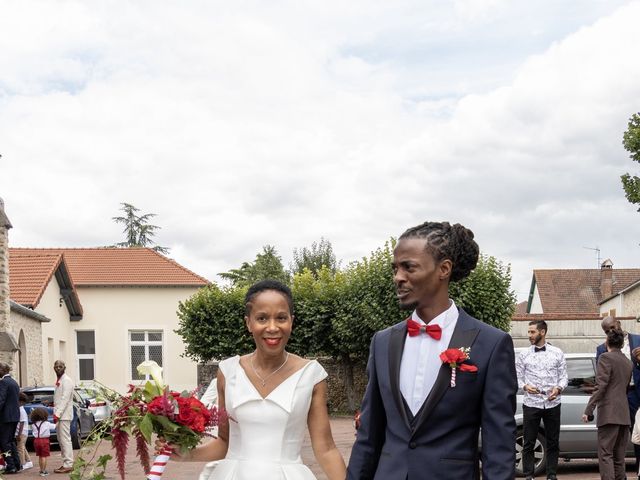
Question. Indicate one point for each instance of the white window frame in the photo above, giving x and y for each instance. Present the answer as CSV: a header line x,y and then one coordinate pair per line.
x,y
146,343
86,356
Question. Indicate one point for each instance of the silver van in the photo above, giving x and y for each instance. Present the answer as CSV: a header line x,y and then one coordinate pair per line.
x,y
577,439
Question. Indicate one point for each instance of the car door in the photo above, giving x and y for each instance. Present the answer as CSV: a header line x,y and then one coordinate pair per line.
x,y
84,414
577,437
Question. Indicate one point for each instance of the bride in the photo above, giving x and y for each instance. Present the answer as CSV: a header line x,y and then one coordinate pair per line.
x,y
270,397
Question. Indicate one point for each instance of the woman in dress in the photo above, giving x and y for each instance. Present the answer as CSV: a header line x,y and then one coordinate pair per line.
x,y
270,397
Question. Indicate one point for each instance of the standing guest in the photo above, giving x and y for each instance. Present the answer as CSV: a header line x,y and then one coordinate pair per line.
x,y
9,418
612,378
63,414
21,434
631,350
41,430
418,421
542,374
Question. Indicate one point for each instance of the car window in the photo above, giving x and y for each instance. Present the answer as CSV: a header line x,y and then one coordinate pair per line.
x,y
582,377
45,398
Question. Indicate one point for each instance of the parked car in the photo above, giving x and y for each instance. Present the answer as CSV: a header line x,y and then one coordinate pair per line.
x,y
98,404
83,420
577,439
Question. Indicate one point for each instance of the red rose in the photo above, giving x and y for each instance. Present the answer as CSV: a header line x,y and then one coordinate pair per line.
x,y
161,405
453,355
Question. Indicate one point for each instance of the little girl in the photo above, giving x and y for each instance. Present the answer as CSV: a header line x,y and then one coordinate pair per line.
x,y
41,430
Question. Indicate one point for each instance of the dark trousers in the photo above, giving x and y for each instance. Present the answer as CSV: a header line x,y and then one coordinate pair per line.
x,y
8,444
531,424
612,446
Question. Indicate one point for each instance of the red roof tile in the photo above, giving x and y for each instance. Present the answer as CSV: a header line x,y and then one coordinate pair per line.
x,y
29,276
116,266
578,290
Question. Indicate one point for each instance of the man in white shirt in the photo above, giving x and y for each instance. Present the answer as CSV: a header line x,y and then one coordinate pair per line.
x,y
542,374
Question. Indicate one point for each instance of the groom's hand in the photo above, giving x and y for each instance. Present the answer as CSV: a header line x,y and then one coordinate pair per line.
x,y
530,389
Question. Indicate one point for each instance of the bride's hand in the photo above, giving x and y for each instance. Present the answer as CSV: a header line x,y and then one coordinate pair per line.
x,y
161,445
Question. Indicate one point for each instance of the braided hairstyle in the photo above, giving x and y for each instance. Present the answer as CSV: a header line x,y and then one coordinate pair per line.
x,y
446,241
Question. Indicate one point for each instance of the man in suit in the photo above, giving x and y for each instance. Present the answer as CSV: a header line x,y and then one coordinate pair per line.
x,y
9,418
631,350
612,378
63,415
417,423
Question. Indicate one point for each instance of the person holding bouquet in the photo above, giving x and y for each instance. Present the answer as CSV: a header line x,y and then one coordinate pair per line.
x,y
270,397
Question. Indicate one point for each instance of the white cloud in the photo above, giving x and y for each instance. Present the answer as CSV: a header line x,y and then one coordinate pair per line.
x,y
242,126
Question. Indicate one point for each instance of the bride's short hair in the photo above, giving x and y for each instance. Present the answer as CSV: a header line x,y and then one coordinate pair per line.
x,y
263,286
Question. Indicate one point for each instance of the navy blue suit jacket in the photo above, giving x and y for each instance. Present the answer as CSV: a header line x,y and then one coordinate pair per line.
x,y
443,441
633,395
9,400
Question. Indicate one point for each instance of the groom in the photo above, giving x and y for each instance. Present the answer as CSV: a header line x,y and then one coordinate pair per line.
x,y
415,424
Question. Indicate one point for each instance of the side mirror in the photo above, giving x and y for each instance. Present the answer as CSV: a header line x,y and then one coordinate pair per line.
x,y
87,402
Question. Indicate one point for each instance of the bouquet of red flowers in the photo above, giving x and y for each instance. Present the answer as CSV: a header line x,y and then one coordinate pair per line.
x,y
153,408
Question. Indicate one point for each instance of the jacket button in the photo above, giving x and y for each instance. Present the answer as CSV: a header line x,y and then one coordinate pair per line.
x,y
412,445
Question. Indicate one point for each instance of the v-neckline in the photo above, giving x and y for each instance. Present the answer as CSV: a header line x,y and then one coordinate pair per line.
x,y
246,375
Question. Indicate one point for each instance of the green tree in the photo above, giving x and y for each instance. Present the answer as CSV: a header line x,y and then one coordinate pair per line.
x,y
486,293
267,264
631,142
336,313
319,255
137,229
211,323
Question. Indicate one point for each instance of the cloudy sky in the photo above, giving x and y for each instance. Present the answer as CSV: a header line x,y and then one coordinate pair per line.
x,y
248,123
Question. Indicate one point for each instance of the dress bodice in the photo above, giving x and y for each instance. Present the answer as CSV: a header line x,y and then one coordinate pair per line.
x,y
266,434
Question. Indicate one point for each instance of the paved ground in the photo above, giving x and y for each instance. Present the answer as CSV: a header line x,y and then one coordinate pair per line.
x,y
343,434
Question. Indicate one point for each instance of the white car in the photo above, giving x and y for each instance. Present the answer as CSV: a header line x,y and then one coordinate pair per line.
x,y
96,402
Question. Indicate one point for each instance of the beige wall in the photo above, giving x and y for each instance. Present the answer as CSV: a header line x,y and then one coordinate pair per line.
x,y
536,304
113,311
617,303
55,332
626,304
571,336
27,369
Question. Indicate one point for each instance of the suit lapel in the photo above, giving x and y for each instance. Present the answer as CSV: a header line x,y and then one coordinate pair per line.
x,y
463,336
396,346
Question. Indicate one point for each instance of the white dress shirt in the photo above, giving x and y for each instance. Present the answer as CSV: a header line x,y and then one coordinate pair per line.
x,y
421,358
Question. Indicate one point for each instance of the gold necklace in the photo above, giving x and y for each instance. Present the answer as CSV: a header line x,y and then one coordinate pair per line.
x,y
264,380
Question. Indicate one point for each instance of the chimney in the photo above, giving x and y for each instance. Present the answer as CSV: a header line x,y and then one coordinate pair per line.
x,y
606,279
8,343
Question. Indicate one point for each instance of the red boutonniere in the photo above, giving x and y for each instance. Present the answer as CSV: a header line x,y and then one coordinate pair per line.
x,y
454,358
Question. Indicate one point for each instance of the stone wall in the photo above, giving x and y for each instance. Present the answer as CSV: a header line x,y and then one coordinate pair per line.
x,y
7,342
31,353
337,398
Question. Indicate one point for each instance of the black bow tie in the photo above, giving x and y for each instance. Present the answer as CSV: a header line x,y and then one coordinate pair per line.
x,y
540,349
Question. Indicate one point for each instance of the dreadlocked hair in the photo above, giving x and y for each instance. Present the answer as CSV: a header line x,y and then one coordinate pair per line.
x,y
448,242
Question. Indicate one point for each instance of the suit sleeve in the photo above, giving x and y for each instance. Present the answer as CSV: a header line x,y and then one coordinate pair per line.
x,y
371,434
603,374
498,423
3,394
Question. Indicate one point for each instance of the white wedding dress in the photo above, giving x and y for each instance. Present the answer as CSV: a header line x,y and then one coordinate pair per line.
x,y
266,434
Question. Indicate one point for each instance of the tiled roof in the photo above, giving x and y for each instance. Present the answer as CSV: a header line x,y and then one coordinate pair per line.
x,y
578,290
29,276
117,266
521,308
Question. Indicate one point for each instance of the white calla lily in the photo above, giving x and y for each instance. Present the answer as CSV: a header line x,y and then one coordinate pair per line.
x,y
152,368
